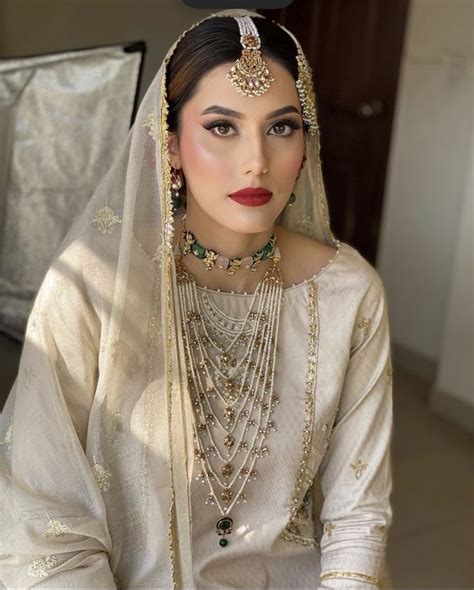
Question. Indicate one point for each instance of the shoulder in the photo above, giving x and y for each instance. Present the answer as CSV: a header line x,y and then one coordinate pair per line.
x,y
302,256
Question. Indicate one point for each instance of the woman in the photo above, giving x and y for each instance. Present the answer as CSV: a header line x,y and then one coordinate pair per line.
x,y
204,394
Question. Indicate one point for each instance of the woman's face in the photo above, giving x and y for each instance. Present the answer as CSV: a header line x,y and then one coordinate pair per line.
x,y
220,153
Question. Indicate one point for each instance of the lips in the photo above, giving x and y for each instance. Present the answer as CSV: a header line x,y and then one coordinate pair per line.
x,y
249,191
252,197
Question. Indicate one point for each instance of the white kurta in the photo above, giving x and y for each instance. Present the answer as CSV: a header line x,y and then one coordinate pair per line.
x,y
82,466
349,453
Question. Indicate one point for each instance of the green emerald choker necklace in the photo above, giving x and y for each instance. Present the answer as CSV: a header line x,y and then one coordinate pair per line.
x,y
210,258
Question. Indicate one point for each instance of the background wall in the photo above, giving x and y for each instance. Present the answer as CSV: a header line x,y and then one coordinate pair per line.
x,y
426,253
40,26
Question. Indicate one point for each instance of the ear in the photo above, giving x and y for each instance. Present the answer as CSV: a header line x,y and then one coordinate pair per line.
x,y
173,148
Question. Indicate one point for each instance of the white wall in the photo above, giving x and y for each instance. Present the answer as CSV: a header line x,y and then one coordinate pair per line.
x,y
424,252
455,378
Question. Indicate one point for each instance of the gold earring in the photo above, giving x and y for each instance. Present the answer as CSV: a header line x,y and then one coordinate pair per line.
x,y
250,75
176,183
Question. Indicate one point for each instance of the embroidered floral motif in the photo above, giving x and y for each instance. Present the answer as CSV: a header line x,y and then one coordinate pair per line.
x,y
328,528
364,325
358,466
150,124
55,528
304,225
106,220
7,439
39,568
102,477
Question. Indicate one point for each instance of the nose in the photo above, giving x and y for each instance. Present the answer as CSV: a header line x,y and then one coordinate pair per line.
x,y
256,160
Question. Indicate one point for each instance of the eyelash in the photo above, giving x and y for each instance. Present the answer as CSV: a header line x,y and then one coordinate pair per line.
x,y
224,123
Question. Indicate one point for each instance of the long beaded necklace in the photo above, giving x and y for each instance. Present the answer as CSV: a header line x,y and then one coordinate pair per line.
x,y
230,367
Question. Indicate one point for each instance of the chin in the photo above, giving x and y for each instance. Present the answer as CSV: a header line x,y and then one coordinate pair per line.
x,y
253,221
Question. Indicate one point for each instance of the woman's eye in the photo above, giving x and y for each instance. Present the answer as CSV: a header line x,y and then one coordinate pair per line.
x,y
222,126
282,126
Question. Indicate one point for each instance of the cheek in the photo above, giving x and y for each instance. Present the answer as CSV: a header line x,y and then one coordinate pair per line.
x,y
289,164
202,158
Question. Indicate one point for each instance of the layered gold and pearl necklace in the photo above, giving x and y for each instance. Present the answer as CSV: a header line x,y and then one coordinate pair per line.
x,y
230,368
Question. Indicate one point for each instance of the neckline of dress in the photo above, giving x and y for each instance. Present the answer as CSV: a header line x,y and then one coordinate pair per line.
x,y
339,245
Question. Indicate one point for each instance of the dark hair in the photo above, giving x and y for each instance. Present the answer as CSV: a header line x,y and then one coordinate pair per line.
x,y
210,44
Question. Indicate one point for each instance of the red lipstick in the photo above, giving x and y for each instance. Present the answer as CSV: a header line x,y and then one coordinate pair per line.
x,y
252,197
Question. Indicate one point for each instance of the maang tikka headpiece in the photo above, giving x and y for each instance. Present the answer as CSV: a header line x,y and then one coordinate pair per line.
x,y
250,75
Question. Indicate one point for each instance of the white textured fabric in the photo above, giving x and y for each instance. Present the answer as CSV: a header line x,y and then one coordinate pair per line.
x,y
349,459
96,441
51,157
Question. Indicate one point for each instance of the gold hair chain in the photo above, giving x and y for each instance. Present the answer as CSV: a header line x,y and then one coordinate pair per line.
x,y
250,75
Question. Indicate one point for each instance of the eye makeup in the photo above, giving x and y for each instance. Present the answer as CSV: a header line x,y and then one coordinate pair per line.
x,y
226,123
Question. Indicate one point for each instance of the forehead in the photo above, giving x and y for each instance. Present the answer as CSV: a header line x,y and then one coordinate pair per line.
x,y
215,88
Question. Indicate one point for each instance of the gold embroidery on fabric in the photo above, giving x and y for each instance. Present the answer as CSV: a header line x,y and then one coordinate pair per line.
x,y
39,568
167,214
291,527
102,477
56,528
350,575
106,220
150,124
358,466
364,324
304,509
7,439
328,528
293,538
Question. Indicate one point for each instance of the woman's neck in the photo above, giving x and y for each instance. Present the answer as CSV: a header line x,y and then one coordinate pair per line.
x,y
226,243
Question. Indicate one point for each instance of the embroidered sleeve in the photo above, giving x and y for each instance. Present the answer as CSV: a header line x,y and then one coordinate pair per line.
x,y
356,478
53,525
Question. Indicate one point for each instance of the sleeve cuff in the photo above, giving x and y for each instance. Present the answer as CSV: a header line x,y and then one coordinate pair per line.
x,y
346,579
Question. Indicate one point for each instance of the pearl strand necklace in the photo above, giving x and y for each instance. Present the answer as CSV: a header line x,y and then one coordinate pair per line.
x,y
257,375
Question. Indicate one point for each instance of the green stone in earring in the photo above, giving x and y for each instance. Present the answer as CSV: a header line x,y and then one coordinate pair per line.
x,y
292,199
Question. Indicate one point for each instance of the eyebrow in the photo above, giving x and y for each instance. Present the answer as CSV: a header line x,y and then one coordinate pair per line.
x,y
231,113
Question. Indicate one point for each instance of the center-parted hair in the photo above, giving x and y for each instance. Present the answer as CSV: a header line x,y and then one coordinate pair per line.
x,y
212,43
